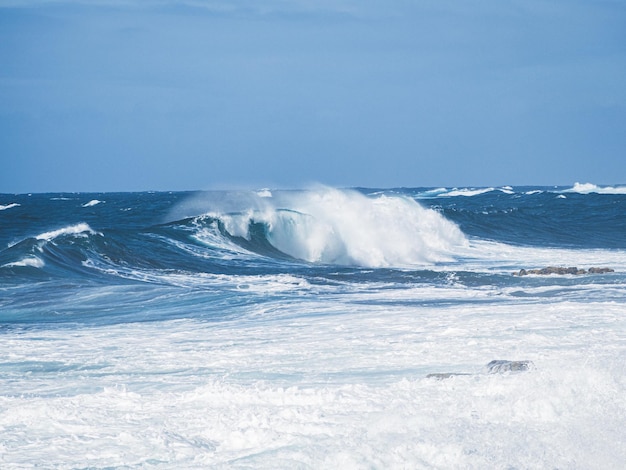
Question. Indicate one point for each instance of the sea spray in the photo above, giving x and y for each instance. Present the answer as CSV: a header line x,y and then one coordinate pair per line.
x,y
345,227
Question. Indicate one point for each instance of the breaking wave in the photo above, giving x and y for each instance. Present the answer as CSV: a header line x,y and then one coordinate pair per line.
x,y
587,188
81,229
343,227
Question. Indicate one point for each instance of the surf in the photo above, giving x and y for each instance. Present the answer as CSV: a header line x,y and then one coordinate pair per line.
x,y
338,226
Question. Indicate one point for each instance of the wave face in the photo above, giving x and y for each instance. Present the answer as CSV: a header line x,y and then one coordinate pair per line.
x,y
236,329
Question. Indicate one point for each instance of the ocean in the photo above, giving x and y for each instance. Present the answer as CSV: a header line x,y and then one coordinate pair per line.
x,y
317,328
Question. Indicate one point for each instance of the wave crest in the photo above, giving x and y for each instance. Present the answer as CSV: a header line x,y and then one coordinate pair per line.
x,y
587,188
78,230
345,227
9,206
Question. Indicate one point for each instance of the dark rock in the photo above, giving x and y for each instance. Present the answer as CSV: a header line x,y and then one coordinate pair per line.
x,y
562,271
601,270
444,375
499,365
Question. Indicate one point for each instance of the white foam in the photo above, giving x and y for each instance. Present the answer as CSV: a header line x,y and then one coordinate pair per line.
x,y
221,246
337,386
587,188
467,192
470,192
81,229
430,193
92,203
30,261
9,206
481,254
345,227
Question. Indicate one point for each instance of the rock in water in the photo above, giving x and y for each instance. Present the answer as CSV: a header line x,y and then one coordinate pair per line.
x,y
562,270
601,270
494,367
499,365
444,375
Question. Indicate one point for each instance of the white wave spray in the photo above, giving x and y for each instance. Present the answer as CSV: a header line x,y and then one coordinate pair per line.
x,y
80,230
345,227
587,188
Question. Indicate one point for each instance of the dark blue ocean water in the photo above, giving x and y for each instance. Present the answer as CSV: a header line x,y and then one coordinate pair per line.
x,y
298,329
55,245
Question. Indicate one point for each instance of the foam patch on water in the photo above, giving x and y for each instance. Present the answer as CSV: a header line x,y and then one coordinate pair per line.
x,y
481,254
348,387
210,236
92,203
30,261
8,206
470,192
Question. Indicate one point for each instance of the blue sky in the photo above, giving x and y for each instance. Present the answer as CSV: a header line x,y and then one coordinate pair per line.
x,y
181,95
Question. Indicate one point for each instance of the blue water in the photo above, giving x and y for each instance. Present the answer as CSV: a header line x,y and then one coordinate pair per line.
x,y
296,329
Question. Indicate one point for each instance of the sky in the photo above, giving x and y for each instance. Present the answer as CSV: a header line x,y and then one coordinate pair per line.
x,y
133,95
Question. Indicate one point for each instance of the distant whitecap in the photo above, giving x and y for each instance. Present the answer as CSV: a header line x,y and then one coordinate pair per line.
x,y
91,203
587,188
467,192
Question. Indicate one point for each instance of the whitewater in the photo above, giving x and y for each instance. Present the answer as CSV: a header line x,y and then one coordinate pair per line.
x,y
315,328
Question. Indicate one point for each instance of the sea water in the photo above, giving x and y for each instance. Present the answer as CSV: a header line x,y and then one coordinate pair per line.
x,y
319,328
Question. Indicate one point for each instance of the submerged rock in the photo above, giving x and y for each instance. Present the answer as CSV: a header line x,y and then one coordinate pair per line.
x,y
496,366
499,365
562,270
444,375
